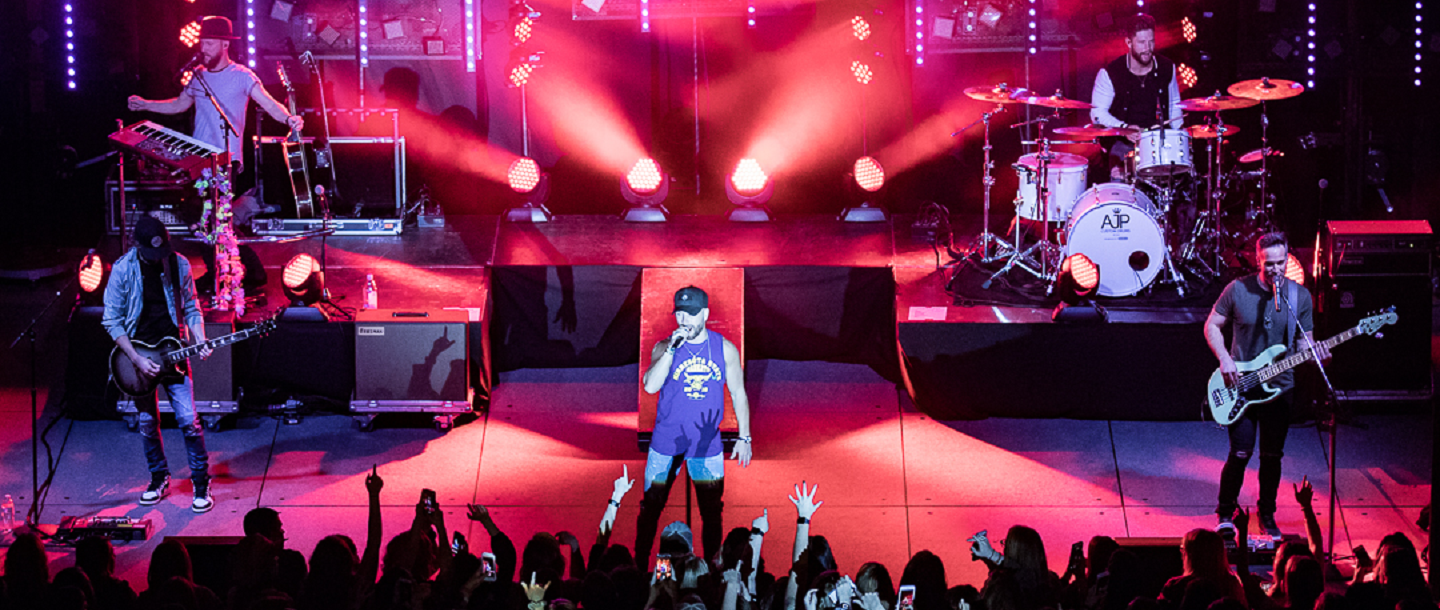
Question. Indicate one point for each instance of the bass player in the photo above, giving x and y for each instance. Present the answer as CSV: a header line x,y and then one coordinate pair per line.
x,y
1261,310
149,294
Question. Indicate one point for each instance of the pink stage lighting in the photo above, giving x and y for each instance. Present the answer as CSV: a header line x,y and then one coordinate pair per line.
x,y
748,179
1294,271
190,34
92,273
868,174
646,188
644,177
524,175
1188,77
860,27
863,73
749,189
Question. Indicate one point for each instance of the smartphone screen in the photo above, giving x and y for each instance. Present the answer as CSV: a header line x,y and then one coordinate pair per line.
x,y
907,597
487,565
664,569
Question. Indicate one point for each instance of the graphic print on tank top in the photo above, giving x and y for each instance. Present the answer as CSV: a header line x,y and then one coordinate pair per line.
x,y
692,401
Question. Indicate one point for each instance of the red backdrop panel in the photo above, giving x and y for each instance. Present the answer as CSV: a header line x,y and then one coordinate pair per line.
x,y
726,289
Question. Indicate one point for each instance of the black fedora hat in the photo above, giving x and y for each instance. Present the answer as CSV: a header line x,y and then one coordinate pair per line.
x,y
217,27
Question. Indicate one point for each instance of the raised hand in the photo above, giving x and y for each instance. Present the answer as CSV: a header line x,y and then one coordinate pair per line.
x,y
980,548
534,592
762,522
624,483
1304,494
477,512
373,482
804,500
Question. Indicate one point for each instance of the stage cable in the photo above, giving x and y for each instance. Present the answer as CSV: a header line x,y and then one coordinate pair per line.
x,y
1119,482
1335,488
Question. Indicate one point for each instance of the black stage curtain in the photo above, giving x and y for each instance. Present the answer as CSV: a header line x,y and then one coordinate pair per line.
x,y
563,317
834,314
1144,372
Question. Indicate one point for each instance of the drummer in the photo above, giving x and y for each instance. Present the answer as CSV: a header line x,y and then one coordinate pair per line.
x,y
1138,90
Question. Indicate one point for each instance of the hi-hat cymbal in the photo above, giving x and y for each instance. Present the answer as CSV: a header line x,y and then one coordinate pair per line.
x,y
1092,131
1054,101
1266,89
998,94
1212,131
1216,103
1259,153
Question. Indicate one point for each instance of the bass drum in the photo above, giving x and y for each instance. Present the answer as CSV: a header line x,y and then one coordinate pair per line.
x,y
1114,226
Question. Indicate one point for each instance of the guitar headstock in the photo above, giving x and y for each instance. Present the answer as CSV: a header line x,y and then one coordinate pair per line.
x,y
266,326
284,78
1374,323
307,59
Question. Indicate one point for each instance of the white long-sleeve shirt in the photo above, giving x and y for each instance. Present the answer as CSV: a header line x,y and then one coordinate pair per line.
x,y
1103,95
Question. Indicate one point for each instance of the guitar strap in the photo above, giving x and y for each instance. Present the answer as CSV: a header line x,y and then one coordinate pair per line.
x,y
172,270
1291,326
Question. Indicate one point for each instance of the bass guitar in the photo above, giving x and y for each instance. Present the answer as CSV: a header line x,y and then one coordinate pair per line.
x,y
168,353
294,148
1227,404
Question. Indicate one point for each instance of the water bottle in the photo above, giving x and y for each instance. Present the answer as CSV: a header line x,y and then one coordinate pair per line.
x,y
7,515
372,293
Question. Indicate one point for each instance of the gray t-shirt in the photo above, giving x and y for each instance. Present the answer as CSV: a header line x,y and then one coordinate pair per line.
x,y
232,87
1256,324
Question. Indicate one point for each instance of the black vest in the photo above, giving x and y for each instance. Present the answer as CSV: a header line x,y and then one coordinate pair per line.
x,y
1136,97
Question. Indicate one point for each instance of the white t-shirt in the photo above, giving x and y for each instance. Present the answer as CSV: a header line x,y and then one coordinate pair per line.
x,y
232,86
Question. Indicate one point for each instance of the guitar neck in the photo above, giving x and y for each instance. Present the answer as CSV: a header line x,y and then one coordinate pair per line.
x,y
1270,372
186,352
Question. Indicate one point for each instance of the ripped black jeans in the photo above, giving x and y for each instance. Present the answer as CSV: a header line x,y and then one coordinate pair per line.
x,y
1272,420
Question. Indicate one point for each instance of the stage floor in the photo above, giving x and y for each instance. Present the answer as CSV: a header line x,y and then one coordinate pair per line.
x,y
894,481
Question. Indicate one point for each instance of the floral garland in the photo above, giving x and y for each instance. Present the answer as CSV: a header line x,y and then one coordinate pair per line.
x,y
229,292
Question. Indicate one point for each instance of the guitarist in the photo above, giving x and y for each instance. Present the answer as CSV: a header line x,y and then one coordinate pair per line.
x,y
1258,311
149,293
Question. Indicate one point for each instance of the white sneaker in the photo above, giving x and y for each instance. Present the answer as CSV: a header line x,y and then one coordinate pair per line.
x,y
202,502
157,490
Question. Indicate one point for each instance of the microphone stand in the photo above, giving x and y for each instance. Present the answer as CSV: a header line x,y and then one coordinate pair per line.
x,y
215,169
32,517
1309,344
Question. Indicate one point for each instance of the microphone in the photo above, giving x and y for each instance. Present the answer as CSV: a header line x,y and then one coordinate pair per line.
x,y
1275,286
195,60
675,344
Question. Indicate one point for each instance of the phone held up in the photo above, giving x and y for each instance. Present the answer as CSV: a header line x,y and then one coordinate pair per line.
x,y
487,566
664,570
906,600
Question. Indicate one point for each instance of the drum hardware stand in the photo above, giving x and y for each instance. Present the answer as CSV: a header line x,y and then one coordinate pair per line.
x,y
1207,223
1037,259
986,239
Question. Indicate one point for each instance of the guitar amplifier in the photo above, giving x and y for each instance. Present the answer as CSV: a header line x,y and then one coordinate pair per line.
x,y
164,200
1367,266
212,379
411,361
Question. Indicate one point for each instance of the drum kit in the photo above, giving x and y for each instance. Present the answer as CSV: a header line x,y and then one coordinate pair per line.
x,y
1161,221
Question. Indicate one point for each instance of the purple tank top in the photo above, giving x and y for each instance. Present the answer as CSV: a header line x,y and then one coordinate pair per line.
x,y
692,401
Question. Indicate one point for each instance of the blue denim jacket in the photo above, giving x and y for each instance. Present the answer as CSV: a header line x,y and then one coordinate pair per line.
x,y
125,295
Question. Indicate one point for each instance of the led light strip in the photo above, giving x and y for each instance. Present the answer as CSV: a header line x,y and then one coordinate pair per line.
x,y
70,44
1310,48
1419,4
364,34
919,32
472,47
750,14
250,32
1034,38
645,16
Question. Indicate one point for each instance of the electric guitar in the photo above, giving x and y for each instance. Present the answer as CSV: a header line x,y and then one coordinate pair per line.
x,y
294,148
168,353
1227,404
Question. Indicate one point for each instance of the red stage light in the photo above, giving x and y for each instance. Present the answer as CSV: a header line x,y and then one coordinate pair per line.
x,y
860,27
1188,77
524,175
644,177
190,34
868,174
1187,28
523,28
1293,270
299,270
520,74
1083,271
92,272
862,72
748,179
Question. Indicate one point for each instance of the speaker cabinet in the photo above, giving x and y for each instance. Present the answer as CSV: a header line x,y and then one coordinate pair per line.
x,y
411,361
1369,266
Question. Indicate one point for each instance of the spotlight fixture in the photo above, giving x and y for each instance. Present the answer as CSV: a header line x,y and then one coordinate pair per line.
x,y
1294,271
1187,75
1187,29
863,73
304,284
749,189
91,275
522,64
533,185
1076,283
190,34
860,27
869,177
645,187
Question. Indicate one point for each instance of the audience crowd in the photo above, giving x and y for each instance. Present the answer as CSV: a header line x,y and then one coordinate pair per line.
x,y
425,568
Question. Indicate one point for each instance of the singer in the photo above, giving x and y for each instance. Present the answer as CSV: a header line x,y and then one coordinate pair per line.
x,y
233,84
1261,310
690,370
1138,90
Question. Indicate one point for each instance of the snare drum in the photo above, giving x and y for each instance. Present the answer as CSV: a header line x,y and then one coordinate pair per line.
x,y
1114,225
1066,178
1160,153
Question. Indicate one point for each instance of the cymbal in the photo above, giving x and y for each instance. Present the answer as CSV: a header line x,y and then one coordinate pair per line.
x,y
1216,103
1255,155
1266,89
998,94
1054,101
1092,131
1212,131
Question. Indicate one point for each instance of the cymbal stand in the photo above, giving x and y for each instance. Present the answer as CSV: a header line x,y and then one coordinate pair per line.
x,y
1207,222
986,239
1038,259
1266,206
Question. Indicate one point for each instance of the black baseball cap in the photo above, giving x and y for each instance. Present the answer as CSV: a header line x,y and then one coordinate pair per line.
x,y
691,300
152,238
